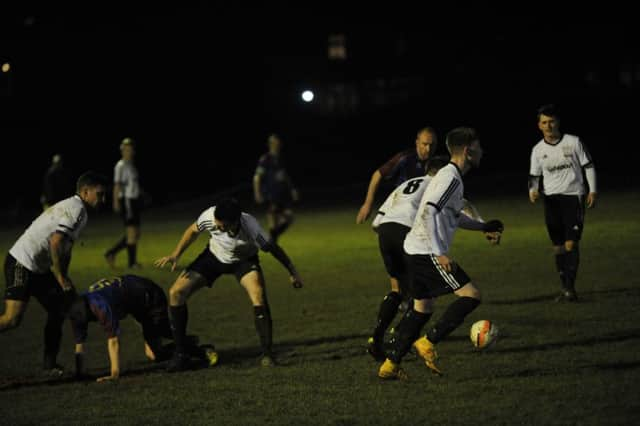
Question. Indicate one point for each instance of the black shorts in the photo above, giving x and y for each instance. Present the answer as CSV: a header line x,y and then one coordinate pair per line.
x,y
390,241
130,211
207,265
21,284
150,308
427,279
564,217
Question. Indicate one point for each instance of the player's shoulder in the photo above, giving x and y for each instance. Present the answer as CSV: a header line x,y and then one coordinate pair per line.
x,y
572,139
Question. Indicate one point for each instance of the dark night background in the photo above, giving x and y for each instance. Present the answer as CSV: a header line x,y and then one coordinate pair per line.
x,y
200,86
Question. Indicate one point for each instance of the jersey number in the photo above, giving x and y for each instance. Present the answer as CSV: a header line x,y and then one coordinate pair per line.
x,y
412,186
99,285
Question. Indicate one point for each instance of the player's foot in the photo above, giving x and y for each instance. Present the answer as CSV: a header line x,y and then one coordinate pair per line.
x,y
427,351
179,362
55,370
210,355
267,361
111,260
375,349
389,370
567,296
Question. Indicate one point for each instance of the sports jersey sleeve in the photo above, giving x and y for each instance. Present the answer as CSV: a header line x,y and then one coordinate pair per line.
x,y
205,221
118,173
72,221
583,155
101,309
388,169
261,168
535,167
255,231
440,190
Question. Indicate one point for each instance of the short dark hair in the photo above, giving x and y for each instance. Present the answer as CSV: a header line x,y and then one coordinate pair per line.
x,y
550,110
460,137
91,179
436,163
228,210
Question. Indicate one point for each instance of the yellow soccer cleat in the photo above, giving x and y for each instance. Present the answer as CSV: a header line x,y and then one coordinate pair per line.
x,y
389,370
427,351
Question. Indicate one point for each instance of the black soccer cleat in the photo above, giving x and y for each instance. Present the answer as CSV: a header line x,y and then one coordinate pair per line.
x,y
179,362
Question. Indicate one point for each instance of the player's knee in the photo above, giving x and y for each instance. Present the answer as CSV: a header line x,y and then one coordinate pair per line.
x,y
570,245
469,290
177,295
8,322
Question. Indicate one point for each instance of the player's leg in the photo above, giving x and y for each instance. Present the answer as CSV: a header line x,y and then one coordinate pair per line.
x,y
390,240
187,283
573,218
132,222
50,295
13,313
556,229
253,283
121,244
468,300
284,219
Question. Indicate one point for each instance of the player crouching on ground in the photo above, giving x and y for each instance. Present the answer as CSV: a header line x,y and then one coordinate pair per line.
x,y
108,301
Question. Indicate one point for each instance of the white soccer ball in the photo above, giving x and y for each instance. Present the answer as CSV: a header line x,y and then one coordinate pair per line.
x,y
483,334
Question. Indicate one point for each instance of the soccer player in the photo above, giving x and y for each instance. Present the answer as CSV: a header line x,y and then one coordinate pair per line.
x,y
127,201
402,166
393,221
57,183
38,263
562,161
273,186
108,301
235,238
432,272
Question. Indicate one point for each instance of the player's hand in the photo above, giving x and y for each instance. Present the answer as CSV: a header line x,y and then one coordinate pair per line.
x,y
533,196
446,263
107,379
494,225
363,214
296,281
160,263
591,200
493,237
67,284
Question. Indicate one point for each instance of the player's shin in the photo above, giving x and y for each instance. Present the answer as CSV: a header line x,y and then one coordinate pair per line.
x,y
178,316
406,332
264,327
452,318
386,314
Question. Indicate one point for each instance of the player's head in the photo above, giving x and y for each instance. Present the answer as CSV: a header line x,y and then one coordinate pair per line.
x,y
92,187
436,163
274,143
227,214
56,159
463,143
549,120
127,148
426,142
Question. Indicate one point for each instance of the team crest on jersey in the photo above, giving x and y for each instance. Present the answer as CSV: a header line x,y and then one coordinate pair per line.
x,y
566,150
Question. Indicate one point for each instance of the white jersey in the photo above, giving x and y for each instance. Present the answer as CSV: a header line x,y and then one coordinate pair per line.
x,y
230,249
125,174
433,235
402,204
560,165
68,216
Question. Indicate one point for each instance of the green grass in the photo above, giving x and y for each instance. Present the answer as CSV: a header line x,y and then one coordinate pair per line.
x,y
556,364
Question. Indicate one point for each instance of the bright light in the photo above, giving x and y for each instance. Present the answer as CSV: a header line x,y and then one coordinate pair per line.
x,y
6,67
307,96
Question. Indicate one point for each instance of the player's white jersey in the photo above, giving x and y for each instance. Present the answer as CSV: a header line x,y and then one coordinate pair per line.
x,y
125,173
433,235
560,165
68,216
402,204
230,249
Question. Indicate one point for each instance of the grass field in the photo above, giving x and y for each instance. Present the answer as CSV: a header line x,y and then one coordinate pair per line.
x,y
555,364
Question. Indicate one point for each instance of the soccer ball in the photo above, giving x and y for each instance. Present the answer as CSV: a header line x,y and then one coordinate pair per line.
x,y
483,334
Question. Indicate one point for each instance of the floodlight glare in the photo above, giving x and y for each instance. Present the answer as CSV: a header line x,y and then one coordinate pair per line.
x,y
307,96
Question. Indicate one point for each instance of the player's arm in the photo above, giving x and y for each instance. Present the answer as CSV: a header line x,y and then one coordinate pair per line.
x,y
117,190
60,248
590,173
114,356
188,237
535,172
279,253
257,184
365,209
